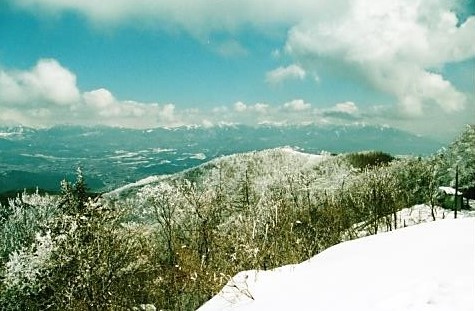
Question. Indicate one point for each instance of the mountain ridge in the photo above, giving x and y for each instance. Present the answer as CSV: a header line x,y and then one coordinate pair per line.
x,y
118,156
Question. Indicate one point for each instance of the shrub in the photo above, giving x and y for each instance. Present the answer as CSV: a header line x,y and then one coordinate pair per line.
x,y
23,217
81,259
369,159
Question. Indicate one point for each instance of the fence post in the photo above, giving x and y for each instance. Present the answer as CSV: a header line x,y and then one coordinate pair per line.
x,y
456,190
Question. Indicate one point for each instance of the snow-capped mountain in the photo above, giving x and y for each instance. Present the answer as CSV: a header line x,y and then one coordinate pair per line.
x,y
112,157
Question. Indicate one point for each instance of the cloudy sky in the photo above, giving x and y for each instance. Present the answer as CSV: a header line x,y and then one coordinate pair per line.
x,y
145,63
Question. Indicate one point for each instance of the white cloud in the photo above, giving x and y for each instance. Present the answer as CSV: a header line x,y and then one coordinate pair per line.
x,y
167,114
263,113
47,82
36,98
346,107
207,124
285,73
101,99
220,110
260,108
10,89
342,112
240,107
52,82
392,45
196,17
297,105
103,108
231,48
47,95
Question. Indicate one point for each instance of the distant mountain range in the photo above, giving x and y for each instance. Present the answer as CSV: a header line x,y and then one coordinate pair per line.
x,y
112,157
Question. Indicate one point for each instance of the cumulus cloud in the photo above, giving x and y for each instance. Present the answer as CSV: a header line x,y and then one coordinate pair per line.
x,y
167,115
285,73
37,98
342,111
47,95
392,45
47,82
297,105
103,108
346,107
220,110
260,108
240,107
101,100
293,112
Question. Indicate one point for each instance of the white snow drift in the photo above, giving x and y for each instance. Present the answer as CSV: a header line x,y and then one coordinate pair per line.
x,y
425,267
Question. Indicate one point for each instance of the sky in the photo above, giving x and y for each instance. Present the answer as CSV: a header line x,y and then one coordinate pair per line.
x,y
408,64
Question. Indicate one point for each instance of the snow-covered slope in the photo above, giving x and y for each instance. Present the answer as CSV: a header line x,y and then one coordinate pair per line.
x,y
410,216
429,266
264,164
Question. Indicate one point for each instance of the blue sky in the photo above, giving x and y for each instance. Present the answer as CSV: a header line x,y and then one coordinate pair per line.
x,y
145,63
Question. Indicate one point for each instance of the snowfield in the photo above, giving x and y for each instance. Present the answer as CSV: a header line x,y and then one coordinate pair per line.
x,y
429,266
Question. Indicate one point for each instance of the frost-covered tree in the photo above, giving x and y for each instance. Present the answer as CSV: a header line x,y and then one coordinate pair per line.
x,y
74,196
27,213
71,257
461,153
163,203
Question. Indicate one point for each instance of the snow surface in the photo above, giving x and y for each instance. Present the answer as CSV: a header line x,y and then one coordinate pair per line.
x,y
142,182
449,190
410,216
429,266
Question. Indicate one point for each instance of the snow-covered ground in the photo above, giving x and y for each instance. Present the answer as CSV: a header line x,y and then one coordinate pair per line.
x,y
410,216
429,266
142,182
